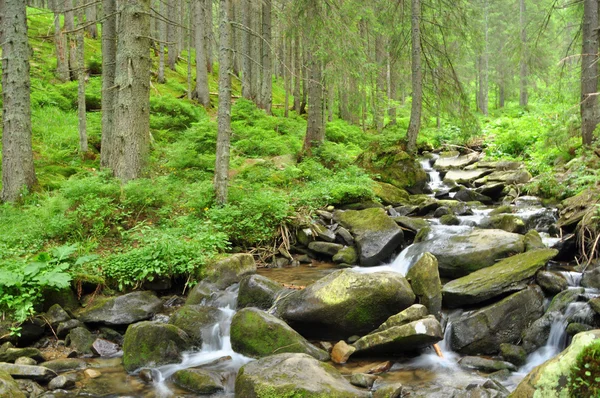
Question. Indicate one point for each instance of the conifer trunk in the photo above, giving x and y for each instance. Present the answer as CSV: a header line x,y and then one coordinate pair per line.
x,y
267,62
417,77
201,92
315,129
523,94
589,71
246,49
60,44
109,65
83,139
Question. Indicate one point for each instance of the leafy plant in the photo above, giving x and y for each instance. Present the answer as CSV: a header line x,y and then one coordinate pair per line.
x,y
584,380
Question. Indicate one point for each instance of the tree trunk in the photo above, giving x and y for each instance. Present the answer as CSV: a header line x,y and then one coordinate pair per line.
x,y
297,74
484,64
589,71
91,15
201,92
172,28
287,82
392,90
189,40
267,63
236,40
379,98
162,36
523,95
18,173
109,67
208,35
501,94
71,42
256,57
246,52
83,140
224,111
315,129
417,77
132,81
60,44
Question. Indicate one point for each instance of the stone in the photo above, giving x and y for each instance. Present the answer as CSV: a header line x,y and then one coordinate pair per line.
x,y
111,335
56,315
533,241
256,333
324,233
27,371
25,361
380,367
493,190
341,352
573,209
551,282
346,255
325,215
122,310
229,270
61,382
591,278
258,291
409,337
326,248
346,302
456,161
508,275
465,177
193,319
62,365
92,373
363,380
482,331
513,353
595,304
449,219
389,194
345,236
550,378
412,224
80,340
304,236
441,211
412,313
8,353
105,348
510,177
424,278
66,298
29,387
485,365
150,344
200,293
64,328
199,381
8,387
377,236
393,390
575,328
505,222
286,375
469,195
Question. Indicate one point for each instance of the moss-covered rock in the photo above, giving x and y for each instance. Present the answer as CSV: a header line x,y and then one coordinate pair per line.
x,y
505,222
551,282
424,278
346,255
194,319
80,340
258,291
533,240
465,177
200,381
293,375
8,353
550,379
32,372
66,298
412,313
591,278
508,177
327,248
410,223
469,195
389,194
230,270
346,302
485,365
257,334
509,275
151,344
62,365
449,219
513,353
576,207
8,387
377,235
121,310
200,293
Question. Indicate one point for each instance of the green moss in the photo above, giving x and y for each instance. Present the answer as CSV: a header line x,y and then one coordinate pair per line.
x,y
584,380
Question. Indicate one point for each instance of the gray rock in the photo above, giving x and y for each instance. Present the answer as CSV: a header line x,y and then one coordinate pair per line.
x,y
65,364
456,161
56,315
485,365
80,340
104,348
27,371
194,320
346,255
327,248
346,236
505,222
64,328
324,233
493,190
229,270
289,374
122,310
533,241
591,278
465,177
29,387
8,353
25,361
449,219
202,292
199,381
8,387
424,279
363,380
61,382
258,291
393,390
552,282
412,313
513,353
468,195
512,177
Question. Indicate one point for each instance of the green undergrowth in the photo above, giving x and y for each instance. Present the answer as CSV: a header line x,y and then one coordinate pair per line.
x,y
584,380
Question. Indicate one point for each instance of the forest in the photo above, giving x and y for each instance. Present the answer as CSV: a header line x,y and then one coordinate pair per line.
x,y
160,151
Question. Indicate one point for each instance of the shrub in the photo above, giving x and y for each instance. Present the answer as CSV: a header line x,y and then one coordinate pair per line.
x,y
169,113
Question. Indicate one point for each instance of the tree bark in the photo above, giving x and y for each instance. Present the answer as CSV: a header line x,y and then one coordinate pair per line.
x,y
267,62
392,89
297,73
589,71
256,56
91,15
60,44
71,42
208,35
109,67
83,139
417,77
172,38
315,128
132,81
484,64
201,92
224,111
246,49
523,72
162,36
18,173
380,81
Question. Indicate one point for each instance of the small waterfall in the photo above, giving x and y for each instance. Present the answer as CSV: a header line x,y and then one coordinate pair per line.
x,y
435,180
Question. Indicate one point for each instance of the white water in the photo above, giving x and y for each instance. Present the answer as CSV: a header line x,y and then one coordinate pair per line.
x,y
216,352
435,181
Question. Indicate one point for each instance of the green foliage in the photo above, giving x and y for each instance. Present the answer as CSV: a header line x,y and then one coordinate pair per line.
x,y
584,380
173,114
195,148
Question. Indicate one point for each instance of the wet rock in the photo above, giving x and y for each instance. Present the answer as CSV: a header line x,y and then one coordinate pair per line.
x,y
469,195
324,233
346,302
595,304
29,387
201,293
193,319
575,328
31,331
8,387
367,204
8,353
465,177
325,215
25,361
551,282
257,334
393,390
412,313
305,236
341,352
326,248
576,207
257,291
505,222
485,365
503,209
345,236
380,367
452,160
61,382
389,194
536,335
287,374
441,211
92,373
56,315
511,177
104,348
27,371
111,335
549,379
456,207
80,340
411,223
482,331
493,190
404,338
62,365
149,344
65,327
200,381
591,278
230,270
533,241
122,310
376,234
424,279
363,380
513,354
346,255
509,275
406,210
449,219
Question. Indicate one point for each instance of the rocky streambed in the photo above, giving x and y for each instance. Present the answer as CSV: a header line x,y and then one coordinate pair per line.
x,y
459,289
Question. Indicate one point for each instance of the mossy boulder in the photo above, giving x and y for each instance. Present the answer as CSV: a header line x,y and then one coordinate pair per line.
x,y
591,278
199,381
346,302
8,387
395,167
389,194
550,379
151,344
424,278
230,270
256,333
505,222
468,195
509,275
81,340
258,291
293,375
508,177
449,219
482,331
347,255
66,298
533,240
412,313
551,282
121,310
377,236
32,372
412,224
8,353
576,207
194,319
201,293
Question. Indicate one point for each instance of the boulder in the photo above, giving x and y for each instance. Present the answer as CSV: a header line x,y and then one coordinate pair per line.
x,y
151,344
8,353
193,319
461,254
482,331
62,365
229,270
27,371
389,194
505,222
258,291
513,353
452,160
199,381
258,334
29,387
533,241
591,278
485,365
424,278
121,310
595,304
200,293
469,195
449,219
346,255
465,177
8,387
509,275
341,352
412,313
377,236
412,224
80,340
326,248
25,361
551,282
509,177
400,339
64,328
55,315
494,190
363,380
323,232
105,348
576,207
550,379
62,382
287,375
346,302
